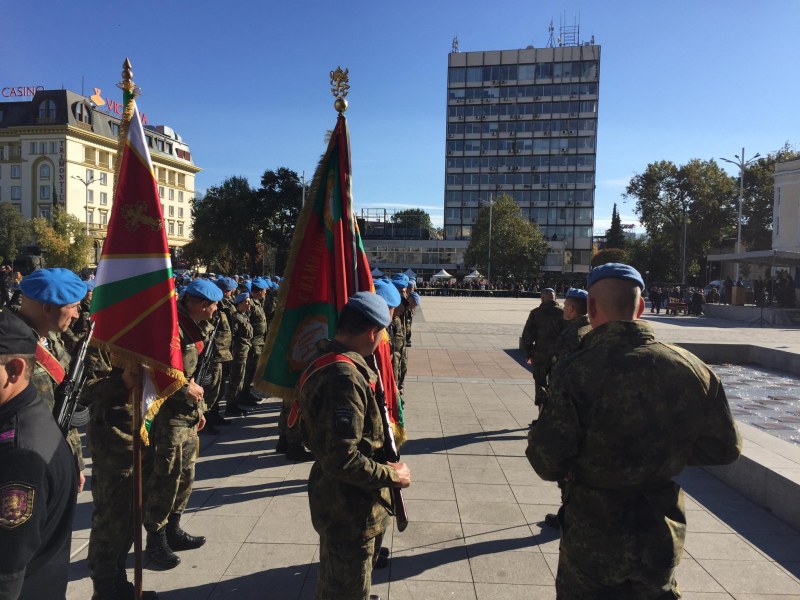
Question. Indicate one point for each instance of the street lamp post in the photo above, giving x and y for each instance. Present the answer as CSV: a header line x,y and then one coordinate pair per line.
x,y
742,164
86,183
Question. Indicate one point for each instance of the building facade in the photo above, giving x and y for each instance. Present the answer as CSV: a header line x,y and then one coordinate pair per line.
x,y
524,123
58,148
786,209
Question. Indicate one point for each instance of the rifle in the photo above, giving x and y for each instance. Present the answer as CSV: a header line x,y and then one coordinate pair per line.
x,y
67,393
205,362
391,450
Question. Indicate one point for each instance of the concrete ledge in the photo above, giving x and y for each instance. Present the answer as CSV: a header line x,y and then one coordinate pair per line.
x,y
745,354
768,473
753,314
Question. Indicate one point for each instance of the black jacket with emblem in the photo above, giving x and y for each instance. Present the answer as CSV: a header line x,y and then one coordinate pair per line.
x,y
38,491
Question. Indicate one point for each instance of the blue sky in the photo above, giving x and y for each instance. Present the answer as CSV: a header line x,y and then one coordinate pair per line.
x,y
246,83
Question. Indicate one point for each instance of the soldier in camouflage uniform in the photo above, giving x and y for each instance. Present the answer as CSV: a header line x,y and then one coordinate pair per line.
x,y
397,331
576,326
258,320
348,489
541,330
169,460
625,415
74,334
242,338
49,304
110,439
220,362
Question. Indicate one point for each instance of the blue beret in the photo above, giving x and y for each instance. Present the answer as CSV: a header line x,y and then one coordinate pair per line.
x,y
412,282
16,336
615,271
372,306
53,286
241,297
90,285
248,284
400,280
388,292
226,284
205,290
417,299
578,294
260,283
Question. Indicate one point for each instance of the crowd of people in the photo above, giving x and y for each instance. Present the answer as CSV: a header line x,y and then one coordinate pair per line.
x,y
497,289
611,431
223,321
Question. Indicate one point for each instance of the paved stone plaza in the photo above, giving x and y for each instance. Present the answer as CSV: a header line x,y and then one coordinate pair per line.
x,y
476,506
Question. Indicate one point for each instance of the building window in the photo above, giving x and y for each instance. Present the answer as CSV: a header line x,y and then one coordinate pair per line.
x,y
53,148
89,175
44,211
171,194
88,154
103,178
44,171
114,126
44,192
47,111
162,209
159,144
180,229
180,196
180,212
16,192
161,193
83,113
171,228
15,172
90,196
103,199
171,211
103,217
2,152
33,147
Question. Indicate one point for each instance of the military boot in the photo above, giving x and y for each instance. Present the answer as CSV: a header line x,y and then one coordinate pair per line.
x,y
178,539
297,453
159,551
125,590
105,588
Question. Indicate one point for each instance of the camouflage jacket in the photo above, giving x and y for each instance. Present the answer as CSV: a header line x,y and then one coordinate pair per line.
x,y
179,409
110,429
259,322
348,488
397,333
270,304
224,340
570,337
626,414
544,324
242,335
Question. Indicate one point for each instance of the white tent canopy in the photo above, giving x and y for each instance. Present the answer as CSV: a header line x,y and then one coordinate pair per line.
x,y
473,275
410,274
376,272
442,275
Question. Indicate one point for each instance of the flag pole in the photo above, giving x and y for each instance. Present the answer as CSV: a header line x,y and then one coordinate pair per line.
x,y
129,93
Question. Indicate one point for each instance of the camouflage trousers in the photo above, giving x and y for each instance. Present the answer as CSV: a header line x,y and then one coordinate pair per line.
x,y
112,520
294,435
212,385
250,369
236,379
168,471
74,442
573,584
540,372
345,568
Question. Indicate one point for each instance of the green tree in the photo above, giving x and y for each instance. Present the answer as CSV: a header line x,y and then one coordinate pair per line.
x,y
518,246
607,255
281,198
13,232
698,196
224,231
615,236
413,218
759,198
63,240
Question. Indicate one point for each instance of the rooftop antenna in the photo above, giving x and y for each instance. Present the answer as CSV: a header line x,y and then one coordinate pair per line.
x,y
551,41
569,35
455,45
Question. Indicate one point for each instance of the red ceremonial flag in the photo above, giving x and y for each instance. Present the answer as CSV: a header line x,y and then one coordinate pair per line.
x,y
327,264
134,303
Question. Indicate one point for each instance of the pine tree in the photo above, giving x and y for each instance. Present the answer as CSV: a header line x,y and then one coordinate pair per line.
x,y
615,237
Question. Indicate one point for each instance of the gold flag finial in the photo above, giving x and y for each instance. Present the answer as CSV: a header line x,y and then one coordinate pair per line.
x,y
129,89
340,85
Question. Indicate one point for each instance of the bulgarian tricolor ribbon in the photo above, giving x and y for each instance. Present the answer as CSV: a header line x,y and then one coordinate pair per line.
x,y
134,302
327,264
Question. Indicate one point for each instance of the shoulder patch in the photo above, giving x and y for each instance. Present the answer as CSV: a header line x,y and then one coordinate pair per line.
x,y
16,504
